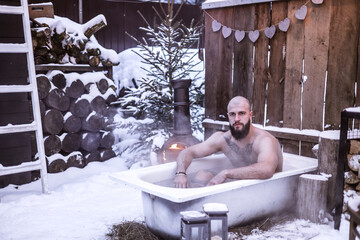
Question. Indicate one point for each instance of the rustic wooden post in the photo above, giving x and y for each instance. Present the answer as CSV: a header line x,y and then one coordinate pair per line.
x,y
312,197
328,161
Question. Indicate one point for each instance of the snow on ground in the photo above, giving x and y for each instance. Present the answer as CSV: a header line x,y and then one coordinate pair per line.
x,y
84,203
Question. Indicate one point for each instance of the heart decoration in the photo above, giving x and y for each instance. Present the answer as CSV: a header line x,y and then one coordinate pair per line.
x,y
254,35
301,13
317,1
226,31
270,31
239,35
284,25
215,26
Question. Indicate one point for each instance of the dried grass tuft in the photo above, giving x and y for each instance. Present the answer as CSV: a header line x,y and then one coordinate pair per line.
x,y
263,225
130,230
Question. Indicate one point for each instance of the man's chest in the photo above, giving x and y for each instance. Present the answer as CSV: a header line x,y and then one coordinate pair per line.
x,y
240,155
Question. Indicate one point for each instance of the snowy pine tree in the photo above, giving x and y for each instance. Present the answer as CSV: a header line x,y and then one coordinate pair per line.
x,y
167,51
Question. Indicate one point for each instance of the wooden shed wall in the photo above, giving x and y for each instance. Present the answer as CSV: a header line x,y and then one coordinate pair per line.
x,y
304,76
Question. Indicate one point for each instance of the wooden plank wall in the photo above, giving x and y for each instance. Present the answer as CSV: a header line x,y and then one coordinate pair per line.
x,y
307,79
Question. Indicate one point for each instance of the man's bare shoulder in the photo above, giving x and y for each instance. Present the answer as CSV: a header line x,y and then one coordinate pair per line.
x,y
219,136
217,139
264,138
263,134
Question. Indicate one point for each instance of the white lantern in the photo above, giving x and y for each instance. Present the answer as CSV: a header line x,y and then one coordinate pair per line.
x,y
218,224
194,225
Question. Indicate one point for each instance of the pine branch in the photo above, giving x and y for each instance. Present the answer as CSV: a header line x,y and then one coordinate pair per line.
x,y
142,16
182,3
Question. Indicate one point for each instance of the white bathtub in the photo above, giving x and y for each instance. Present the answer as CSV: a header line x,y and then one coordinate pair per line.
x,y
247,200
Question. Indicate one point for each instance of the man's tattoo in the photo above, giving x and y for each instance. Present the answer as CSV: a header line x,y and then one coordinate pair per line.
x,y
238,155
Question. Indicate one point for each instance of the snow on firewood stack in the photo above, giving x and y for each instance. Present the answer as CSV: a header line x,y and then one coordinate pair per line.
x,y
352,175
76,118
60,40
74,107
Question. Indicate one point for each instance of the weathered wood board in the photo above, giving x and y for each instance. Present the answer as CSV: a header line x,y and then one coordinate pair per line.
x,y
262,20
243,53
317,25
343,59
275,92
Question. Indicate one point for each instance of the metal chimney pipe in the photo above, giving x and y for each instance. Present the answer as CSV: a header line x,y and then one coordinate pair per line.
x,y
182,124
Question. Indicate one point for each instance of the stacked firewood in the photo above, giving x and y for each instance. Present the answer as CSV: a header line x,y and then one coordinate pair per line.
x,y
75,118
60,40
352,176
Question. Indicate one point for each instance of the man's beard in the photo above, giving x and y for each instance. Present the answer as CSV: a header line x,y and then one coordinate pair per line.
x,y
240,134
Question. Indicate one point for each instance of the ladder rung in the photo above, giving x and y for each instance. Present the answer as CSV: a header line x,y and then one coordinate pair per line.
x,y
18,128
14,48
11,9
15,88
24,167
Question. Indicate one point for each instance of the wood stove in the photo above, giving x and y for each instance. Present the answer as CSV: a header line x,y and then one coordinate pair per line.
x,y
182,134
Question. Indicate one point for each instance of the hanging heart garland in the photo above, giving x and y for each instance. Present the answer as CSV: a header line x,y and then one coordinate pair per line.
x,y
226,31
270,31
239,35
284,25
215,26
301,13
254,35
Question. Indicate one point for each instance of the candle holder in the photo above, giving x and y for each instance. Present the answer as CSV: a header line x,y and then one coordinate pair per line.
x,y
218,223
194,225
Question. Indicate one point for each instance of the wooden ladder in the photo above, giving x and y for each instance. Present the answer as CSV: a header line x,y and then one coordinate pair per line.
x,y
31,88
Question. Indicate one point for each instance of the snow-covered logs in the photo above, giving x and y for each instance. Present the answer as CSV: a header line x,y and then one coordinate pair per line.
x,y
60,40
352,175
76,118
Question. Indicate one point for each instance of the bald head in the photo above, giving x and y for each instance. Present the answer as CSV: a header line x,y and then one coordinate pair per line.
x,y
238,100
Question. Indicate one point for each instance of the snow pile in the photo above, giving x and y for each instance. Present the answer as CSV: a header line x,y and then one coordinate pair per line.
x,y
132,68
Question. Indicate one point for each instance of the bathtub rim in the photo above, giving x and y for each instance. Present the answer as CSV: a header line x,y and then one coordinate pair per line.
x,y
133,179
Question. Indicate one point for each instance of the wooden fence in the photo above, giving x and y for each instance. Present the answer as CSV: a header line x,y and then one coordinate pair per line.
x,y
301,78
121,17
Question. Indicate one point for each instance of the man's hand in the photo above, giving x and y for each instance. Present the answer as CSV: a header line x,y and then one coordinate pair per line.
x,y
219,178
181,181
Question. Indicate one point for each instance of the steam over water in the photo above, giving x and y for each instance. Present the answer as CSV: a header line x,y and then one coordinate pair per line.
x,y
194,183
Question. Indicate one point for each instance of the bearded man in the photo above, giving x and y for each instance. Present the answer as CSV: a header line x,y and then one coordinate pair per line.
x,y
253,152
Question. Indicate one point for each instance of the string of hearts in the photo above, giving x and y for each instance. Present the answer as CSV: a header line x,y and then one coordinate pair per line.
x,y
269,32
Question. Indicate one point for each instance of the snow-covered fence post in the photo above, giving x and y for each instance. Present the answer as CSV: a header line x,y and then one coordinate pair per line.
x,y
311,197
328,161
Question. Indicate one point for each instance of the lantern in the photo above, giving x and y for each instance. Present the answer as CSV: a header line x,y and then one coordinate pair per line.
x,y
194,225
218,224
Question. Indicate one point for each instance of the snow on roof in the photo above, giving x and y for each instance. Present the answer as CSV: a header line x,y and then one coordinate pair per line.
x,y
215,208
193,215
352,109
209,4
315,177
190,2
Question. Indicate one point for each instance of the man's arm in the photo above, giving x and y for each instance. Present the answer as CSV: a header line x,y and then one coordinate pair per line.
x,y
264,168
184,159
